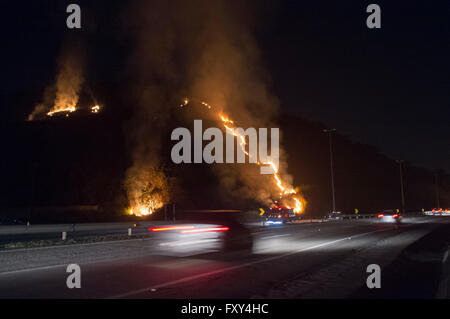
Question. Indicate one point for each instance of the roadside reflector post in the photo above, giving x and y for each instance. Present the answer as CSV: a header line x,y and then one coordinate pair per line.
x,y
64,235
129,231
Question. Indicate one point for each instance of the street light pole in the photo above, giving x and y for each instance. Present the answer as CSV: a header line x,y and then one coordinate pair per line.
x,y
437,190
330,131
400,162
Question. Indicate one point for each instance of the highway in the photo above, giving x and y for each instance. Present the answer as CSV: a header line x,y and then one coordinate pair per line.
x,y
317,260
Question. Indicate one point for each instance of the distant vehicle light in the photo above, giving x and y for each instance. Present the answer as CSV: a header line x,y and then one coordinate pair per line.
x,y
380,215
395,215
169,228
203,230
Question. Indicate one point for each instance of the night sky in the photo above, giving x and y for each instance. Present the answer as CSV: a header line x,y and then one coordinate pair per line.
x,y
385,87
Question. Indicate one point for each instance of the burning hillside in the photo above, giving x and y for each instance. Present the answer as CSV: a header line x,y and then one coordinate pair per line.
x,y
288,196
63,97
148,190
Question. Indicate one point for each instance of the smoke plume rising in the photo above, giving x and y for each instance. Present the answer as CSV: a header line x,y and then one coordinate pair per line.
x,y
64,94
68,82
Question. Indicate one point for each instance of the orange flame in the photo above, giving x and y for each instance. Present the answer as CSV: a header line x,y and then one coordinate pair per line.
x,y
95,108
185,102
140,212
68,109
284,190
72,108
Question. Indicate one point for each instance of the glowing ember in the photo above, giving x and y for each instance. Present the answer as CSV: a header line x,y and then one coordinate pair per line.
x,y
95,108
69,109
185,102
207,105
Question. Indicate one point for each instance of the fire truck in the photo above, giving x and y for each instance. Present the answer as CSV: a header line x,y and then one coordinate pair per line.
x,y
279,215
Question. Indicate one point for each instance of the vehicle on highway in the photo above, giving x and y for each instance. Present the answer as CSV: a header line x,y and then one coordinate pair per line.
x,y
204,231
280,215
439,212
390,216
436,211
335,216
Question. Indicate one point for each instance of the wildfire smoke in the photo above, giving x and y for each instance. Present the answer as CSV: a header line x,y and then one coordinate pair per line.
x,y
288,195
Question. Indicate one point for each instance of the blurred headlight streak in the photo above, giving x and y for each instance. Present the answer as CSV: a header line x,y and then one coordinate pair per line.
x,y
170,228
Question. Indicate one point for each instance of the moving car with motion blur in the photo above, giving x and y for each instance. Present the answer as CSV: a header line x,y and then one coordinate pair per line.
x,y
203,231
389,216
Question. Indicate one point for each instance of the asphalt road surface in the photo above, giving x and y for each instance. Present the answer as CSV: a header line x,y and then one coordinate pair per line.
x,y
319,260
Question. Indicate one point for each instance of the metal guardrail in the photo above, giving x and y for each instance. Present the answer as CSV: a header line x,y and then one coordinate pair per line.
x,y
367,216
56,228
359,216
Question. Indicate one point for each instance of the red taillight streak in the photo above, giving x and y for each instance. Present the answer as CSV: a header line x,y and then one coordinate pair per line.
x,y
170,228
380,215
395,215
202,230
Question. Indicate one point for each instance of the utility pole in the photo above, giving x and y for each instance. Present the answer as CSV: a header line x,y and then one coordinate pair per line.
x,y
330,131
400,162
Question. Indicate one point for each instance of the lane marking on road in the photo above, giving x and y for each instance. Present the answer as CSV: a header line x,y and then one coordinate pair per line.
x,y
223,270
